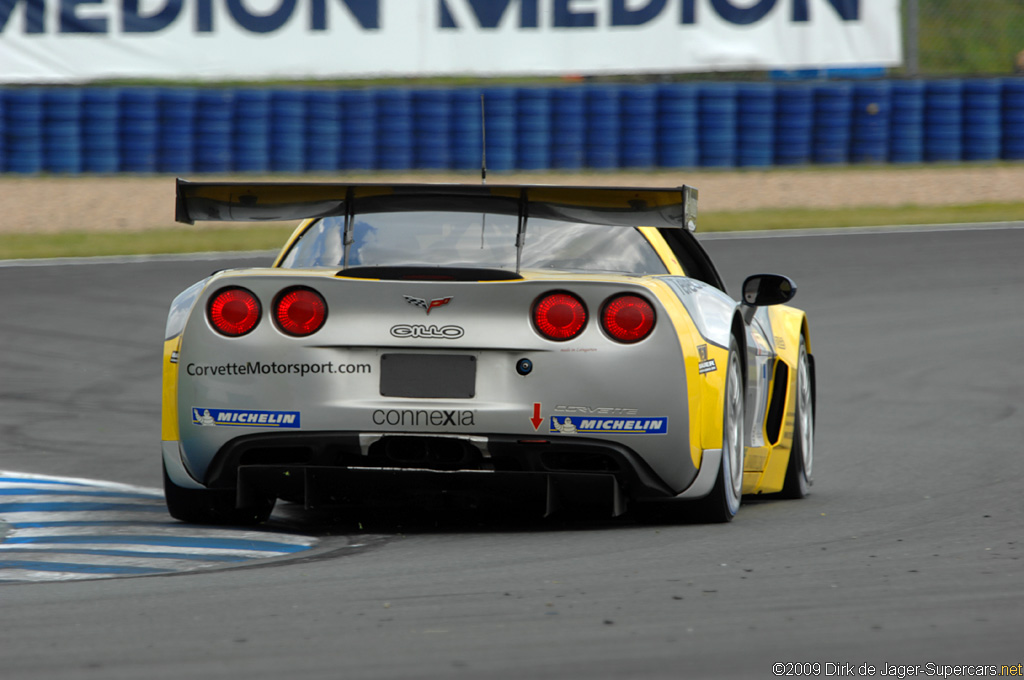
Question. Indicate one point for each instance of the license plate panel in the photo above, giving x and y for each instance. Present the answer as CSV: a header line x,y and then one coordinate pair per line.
x,y
428,376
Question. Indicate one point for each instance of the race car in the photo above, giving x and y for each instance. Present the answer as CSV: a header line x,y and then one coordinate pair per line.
x,y
555,346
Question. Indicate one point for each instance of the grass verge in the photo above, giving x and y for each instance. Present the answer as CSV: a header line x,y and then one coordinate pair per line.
x,y
271,237
861,217
150,242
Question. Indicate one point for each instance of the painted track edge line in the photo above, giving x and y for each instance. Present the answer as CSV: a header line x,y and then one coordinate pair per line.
x,y
855,231
149,491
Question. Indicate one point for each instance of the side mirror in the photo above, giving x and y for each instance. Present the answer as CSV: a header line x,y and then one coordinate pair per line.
x,y
762,290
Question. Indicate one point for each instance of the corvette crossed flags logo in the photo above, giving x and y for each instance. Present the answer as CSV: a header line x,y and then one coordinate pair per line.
x,y
426,304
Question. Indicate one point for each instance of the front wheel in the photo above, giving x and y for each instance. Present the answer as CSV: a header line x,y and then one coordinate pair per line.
x,y
801,458
724,500
212,506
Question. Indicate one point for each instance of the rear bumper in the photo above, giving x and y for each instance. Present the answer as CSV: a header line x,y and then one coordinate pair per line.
x,y
318,487
352,468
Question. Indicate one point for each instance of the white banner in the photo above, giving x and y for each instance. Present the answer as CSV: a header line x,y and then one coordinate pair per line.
x,y
48,41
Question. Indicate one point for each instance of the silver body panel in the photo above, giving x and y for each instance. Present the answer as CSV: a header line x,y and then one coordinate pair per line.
x,y
267,381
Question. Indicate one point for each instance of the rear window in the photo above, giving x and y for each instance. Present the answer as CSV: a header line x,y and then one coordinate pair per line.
x,y
456,239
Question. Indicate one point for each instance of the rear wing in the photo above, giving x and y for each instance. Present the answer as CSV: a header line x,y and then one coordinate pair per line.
x,y
268,201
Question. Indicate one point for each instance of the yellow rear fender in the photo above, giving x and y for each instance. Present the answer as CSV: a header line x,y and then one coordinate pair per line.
x,y
704,363
169,411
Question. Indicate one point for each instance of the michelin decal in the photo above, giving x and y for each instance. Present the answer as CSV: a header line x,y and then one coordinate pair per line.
x,y
619,425
221,417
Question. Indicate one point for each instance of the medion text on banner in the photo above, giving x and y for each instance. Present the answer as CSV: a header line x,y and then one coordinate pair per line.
x,y
77,40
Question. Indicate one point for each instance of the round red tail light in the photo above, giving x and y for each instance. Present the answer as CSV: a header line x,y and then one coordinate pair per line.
x,y
628,318
234,311
559,316
300,311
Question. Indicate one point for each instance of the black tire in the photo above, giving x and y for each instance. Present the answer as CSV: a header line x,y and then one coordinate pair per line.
x,y
723,502
212,506
799,471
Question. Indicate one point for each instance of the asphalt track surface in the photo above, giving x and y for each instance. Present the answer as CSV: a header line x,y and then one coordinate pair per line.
x,y
907,554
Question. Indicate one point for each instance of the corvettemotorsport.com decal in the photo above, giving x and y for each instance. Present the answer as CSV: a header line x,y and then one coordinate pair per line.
x,y
226,417
276,368
585,425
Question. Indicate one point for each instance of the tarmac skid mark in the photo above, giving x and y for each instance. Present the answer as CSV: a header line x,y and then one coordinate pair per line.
x,y
63,529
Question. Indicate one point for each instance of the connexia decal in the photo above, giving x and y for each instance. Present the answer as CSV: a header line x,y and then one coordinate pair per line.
x,y
585,425
424,418
223,417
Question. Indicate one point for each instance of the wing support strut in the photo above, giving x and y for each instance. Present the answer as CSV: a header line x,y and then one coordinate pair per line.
x,y
521,229
348,239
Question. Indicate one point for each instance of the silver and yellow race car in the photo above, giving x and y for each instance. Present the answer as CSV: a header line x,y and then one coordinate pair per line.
x,y
559,346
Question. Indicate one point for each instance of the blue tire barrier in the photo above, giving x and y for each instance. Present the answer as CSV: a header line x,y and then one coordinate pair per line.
x,y
833,116
871,122
101,103
62,133
147,129
288,131
176,145
465,124
250,131
394,129
533,126
1013,99
982,119
568,127
23,130
1012,119
63,104
214,127
324,105
906,122
251,112
639,126
533,103
432,113
101,130
716,116
359,130
678,145
1013,149
500,121
23,104
794,124
139,127
603,127
943,121
755,125
323,130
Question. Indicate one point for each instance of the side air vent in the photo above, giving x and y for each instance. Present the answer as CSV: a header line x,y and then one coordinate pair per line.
x,y
776,407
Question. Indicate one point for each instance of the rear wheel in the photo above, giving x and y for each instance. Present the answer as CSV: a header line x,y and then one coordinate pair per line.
x,y
212,506
801,459
724,500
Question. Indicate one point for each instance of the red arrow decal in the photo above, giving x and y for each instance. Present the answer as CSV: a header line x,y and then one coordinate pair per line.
x,y
536,419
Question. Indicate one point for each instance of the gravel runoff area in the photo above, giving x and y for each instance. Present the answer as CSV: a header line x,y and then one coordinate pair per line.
x,y
135,203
